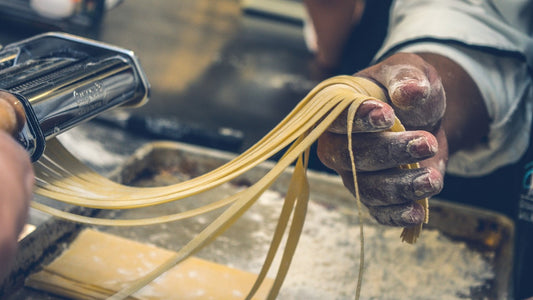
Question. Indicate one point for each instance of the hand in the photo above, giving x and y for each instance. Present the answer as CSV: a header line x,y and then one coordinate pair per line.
x,y
16,185
332,22
417,98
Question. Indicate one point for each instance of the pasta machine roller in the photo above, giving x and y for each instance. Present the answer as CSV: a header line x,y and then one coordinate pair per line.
x,y
62,80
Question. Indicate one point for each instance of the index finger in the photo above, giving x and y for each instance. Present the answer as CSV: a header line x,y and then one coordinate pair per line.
x,y
371,116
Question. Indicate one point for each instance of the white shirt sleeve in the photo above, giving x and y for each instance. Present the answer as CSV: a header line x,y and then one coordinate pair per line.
x,y
495,54
506,87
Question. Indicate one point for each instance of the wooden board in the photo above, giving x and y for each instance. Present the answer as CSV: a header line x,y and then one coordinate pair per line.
x,y
98,264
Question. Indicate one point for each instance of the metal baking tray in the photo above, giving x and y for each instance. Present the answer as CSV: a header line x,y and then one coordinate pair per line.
x,y
329,243
457,239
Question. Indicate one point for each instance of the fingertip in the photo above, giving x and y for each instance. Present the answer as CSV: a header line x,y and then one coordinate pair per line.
x,y
380,116
371,116
404,215
423,146
413,215
410,92
428,184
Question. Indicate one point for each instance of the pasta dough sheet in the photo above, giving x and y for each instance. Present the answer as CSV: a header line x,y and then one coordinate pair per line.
x,y
96,265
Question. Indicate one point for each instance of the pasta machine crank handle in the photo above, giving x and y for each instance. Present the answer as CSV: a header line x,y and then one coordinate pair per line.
x,y
12,113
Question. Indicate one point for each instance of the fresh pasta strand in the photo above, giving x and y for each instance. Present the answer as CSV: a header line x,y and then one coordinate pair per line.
x,y
60,176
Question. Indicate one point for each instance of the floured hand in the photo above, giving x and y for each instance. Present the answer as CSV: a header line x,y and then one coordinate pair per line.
x,y
416,97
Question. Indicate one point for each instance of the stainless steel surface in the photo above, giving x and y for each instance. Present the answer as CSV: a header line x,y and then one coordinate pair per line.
x,y
65,80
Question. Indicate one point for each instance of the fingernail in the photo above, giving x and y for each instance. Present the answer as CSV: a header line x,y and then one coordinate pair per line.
x,y
380,119
414,215
409,92
424,184
421,148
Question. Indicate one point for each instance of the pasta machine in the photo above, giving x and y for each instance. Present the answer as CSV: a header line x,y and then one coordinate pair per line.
x,y
62,80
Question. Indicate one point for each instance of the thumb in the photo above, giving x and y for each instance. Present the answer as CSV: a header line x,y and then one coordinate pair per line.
x,y
414,88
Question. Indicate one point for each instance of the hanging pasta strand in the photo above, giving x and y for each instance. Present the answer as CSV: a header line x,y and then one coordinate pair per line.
x,y
62,177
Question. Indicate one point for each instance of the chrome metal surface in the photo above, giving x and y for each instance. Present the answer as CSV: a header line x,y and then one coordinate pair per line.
x,y
65,80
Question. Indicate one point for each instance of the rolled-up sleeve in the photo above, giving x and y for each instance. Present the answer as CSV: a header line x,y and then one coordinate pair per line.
x,y
494,50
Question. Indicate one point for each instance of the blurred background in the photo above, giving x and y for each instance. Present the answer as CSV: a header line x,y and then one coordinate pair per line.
x,y
228,68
